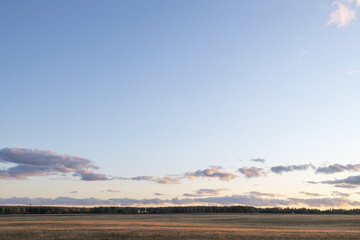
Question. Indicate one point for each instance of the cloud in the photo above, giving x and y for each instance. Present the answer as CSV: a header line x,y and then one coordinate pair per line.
x,y
324,202
33,162
140,178
343,14
88,175
168,180
261,194
158,194
335,168
252,172
343,185
212,172
248,200
113,191
159,180
341,194
227,200
289,168
190,195
205,192
352,73
352,180
311,194
260,160
336,184
74,192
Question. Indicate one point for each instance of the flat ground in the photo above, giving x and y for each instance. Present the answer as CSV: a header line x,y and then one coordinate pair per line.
x,y
180,226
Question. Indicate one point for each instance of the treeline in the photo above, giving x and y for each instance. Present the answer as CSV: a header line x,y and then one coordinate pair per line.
x,y
166,210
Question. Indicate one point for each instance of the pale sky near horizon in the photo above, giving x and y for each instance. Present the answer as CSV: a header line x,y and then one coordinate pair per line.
x,y
242,101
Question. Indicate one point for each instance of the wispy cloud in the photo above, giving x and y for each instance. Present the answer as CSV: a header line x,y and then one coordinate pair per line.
x,y
140,178
74,192
335,168
113,191
341,194
168,180
259,160
252,172
159,180
343,185
336,184
33,162
205,192
353,73
289,168
311,194
212,172
261,194
89,175
344,13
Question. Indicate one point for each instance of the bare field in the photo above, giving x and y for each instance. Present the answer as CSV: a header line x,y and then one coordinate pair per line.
x,y
180,226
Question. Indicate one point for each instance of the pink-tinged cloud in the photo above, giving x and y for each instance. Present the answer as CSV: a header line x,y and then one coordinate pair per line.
x,y
212,172
252,172
205,192
113,191
343,14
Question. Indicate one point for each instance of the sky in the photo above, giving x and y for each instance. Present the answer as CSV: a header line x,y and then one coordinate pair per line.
x,y
180,102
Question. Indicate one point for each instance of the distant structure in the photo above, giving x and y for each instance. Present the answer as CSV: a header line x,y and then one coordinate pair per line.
x,y
142,211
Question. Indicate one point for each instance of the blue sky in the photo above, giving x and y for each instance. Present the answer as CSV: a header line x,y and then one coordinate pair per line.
x,y
188,90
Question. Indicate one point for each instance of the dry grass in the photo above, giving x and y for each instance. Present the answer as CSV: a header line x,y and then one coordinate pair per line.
x,y
180,226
